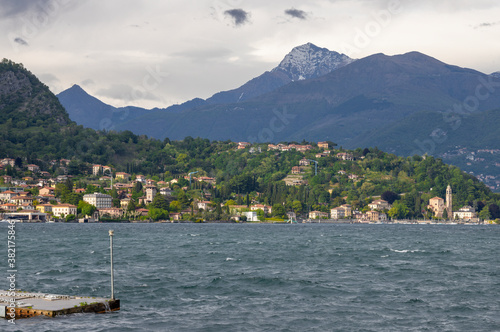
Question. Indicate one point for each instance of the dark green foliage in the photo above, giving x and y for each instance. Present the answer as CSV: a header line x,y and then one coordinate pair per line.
x,y
389,196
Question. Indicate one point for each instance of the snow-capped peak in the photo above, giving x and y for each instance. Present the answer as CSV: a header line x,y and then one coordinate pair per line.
x,y
310,61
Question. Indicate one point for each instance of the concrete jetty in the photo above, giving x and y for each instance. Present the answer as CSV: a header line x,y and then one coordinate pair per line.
x,y
21,304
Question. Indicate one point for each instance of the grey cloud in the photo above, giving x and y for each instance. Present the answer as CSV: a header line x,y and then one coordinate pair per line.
x,y
297,13
486,25
127,93
204,54
20,41
12,8
87,82
239,16
48,78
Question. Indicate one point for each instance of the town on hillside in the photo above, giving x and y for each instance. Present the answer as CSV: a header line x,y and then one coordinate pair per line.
x,y
103,194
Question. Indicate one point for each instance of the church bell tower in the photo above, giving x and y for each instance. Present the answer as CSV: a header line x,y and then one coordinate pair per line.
x,y
449,201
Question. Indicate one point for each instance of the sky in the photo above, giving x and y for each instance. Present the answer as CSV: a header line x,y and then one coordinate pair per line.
x,y
158,53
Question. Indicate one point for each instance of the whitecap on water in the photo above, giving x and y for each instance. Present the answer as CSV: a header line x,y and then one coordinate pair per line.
x,y
407,250
230,259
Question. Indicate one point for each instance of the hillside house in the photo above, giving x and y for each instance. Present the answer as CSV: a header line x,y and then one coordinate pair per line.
x,y
318,215
337,213
380,205
345,156
323,145
63,209
465,213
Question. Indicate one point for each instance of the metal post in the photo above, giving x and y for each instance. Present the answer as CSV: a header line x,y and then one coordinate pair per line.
x,y
111,254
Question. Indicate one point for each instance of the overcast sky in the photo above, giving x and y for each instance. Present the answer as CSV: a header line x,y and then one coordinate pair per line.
x,y
158,53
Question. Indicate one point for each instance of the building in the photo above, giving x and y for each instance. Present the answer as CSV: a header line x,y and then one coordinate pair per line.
x,y
33,168
265,208
296,170
323,145
112,212
436,205
203,205
347,209
465,213
8,161
96,169
251,215
125,202
150,193
379,204
337,213
100,201
175,216
7,195
206,179
318,215
345,156
9,207
449,200
22,199
140,178
376,216
304,162
46,191
122,175
63,209
166,191
45,208
243,145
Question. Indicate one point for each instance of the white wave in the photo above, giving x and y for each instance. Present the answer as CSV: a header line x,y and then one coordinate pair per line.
x,y
230,259
407,250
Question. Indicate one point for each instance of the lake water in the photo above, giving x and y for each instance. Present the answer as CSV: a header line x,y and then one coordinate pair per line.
x,y
260,277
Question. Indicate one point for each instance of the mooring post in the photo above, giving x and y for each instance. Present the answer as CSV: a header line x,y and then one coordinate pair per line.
x,y
111,254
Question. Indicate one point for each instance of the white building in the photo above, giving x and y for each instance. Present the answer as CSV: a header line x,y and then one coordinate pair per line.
x,y
465,213
251,216
337,213
63,209
99,200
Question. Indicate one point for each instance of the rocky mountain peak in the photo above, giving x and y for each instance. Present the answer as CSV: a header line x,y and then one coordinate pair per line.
x,y
310,61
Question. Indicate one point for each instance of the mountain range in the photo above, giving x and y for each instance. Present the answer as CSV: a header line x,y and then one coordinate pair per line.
x,y
317,94
405,104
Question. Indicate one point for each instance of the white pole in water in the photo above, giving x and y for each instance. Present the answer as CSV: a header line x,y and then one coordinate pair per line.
x,y
111,252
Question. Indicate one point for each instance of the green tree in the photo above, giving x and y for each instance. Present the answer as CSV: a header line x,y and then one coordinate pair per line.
x,y
157,214
175,206
261,215
485,213
131,206
398,211
278,211
160,202
86,209
297,207
445,214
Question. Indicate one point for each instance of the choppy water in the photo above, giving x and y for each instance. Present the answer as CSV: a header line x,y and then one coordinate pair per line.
x,y
229,277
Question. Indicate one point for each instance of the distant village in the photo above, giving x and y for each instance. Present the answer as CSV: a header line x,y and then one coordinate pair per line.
x,y
32,198
484,164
